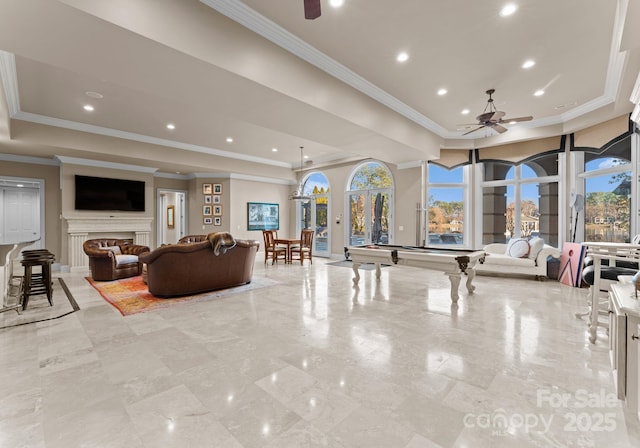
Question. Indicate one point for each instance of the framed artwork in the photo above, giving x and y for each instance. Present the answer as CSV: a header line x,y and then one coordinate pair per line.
x,y
171,216
207,188
207,199
207,221
217,210
263,216
206,210
217,188
217,221
217,199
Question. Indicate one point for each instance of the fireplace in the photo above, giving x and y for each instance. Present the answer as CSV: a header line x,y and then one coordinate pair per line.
x,y
81,229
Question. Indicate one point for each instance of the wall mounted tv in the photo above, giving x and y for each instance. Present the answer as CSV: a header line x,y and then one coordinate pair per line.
x,y
101,193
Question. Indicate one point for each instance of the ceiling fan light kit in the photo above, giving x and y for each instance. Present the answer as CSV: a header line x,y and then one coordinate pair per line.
x,y
493,118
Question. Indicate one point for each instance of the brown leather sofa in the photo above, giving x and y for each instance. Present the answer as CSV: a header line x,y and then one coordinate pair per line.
x,y
189,268
111,259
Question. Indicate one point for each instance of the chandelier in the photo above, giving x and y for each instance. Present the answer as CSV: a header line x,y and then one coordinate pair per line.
x,y
298,193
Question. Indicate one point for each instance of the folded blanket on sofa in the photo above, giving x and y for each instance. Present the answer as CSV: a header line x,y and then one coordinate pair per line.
x,y
221,242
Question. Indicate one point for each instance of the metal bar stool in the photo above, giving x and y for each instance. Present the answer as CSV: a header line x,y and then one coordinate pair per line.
x,y
36,283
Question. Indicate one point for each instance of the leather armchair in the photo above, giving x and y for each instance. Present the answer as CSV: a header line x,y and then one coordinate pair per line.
x,y
111,259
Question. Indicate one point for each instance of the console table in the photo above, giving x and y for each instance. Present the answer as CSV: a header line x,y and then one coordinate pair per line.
x,y
624,343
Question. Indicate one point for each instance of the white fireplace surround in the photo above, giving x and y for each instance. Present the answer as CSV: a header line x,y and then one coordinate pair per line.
x,y
81,229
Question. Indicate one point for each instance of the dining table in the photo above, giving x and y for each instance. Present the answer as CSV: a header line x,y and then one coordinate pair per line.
x,y
289,243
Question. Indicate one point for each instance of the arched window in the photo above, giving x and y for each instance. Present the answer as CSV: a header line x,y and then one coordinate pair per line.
x,y
369,205
315,214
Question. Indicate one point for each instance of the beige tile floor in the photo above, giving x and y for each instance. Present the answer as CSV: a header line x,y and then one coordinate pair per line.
x,y
312,362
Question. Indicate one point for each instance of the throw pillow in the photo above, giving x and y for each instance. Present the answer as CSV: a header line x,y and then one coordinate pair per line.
x,y
518,248
536,244
115,249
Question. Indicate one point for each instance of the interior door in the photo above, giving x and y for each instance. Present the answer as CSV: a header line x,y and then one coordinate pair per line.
x,y
21,214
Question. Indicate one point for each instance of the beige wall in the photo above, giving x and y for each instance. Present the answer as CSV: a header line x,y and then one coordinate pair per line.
x,y
243,191
51,177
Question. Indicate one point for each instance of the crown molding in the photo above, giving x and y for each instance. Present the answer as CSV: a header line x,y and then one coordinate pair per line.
x,y
103,164
28,159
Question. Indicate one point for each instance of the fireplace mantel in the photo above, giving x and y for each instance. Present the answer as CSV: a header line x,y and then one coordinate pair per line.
x,y
82,228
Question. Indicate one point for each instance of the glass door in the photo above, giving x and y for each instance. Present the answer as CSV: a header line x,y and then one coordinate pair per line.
x,y
314,215
369,217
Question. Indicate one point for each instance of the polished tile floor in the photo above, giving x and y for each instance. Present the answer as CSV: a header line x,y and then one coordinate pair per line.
x,y
312,362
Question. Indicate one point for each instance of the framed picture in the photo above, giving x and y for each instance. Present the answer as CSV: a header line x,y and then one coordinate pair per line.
x,y
263,216
207,199
207,188
170,216
217,199
217,221
217,188
206,210
208,221
217,210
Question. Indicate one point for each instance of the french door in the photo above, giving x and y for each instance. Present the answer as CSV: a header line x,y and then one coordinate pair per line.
x,y
314,214
369,217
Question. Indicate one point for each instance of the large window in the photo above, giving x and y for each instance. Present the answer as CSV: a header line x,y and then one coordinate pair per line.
x,y
447,196
369,205
521,200
607,200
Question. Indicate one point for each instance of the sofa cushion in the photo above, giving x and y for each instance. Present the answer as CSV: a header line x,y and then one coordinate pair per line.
x,y
535,246
126,259
506,260
518,248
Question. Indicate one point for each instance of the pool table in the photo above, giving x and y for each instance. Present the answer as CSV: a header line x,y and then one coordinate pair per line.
x,y
453,262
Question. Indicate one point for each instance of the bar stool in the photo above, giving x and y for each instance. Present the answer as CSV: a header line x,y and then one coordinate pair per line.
x,y
36,283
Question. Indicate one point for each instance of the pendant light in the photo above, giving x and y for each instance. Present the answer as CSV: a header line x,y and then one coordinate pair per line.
x,y
298,194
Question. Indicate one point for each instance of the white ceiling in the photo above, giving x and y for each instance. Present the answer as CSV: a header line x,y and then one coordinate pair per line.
x,y
331,85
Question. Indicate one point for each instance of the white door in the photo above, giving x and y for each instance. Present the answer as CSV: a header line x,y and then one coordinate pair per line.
x,y
21,214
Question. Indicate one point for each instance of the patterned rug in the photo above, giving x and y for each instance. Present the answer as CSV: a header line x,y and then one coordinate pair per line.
x,y
131,295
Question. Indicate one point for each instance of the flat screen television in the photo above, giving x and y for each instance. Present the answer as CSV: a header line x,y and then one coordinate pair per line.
x,y
101,193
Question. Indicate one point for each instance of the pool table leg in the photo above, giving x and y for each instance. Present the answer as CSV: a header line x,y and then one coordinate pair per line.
x,y
455,283
356,278
378,271
471,274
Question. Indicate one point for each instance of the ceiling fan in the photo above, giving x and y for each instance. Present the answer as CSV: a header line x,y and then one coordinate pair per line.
x,y
311,9
493,118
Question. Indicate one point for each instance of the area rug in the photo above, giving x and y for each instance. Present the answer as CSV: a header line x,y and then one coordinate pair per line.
x,y
39,309
131,295
349,264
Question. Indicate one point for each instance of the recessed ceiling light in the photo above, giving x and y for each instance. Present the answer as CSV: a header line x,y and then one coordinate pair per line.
x,y
229,140
465,111
442,92
336,3
539,92
508,9
512,122
171,126
95,95
19,185
306,156
88,108
274,149
528,64
402,56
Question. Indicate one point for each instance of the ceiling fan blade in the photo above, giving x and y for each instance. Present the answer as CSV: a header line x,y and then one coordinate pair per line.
x,y
516,120
497,115
311,9
474,130
499,129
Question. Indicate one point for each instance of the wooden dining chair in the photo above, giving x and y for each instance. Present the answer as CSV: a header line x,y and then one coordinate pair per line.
x,y
271,250
305,250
